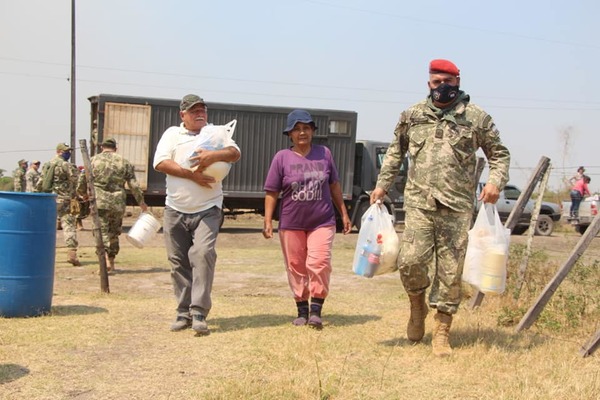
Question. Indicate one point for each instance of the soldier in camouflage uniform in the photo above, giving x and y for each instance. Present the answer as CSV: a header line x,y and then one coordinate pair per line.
x,y
32,177
19,176
441,136
59,176
111,171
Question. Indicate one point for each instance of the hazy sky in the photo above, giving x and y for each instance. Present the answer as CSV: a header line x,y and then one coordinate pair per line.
x,y
530,64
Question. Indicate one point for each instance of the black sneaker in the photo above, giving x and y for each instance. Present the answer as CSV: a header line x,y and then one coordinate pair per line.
x,y
181,323
199,324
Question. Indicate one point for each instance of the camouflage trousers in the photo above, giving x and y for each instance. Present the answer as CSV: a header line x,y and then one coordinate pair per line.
x,y
111,222
433,251
67,221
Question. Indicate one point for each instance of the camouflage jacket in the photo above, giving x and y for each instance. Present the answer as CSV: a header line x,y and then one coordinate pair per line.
x,y
19,180
111,171
442,146
31,178
59,177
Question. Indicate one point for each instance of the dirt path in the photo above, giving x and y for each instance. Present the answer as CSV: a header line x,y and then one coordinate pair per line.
x,y
244,231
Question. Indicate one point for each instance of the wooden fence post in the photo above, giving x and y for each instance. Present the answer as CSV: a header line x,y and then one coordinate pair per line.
x,y
535,310
532,224
591,346
100,251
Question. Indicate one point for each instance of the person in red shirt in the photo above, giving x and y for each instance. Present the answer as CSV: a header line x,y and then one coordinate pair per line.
x,y
578,192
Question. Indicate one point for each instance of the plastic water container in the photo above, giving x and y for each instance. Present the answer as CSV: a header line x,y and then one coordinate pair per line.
x,y
369,259
493,271
218,170
143,230
28,243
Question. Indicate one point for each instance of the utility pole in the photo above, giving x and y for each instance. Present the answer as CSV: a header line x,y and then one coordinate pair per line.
x,y
73,127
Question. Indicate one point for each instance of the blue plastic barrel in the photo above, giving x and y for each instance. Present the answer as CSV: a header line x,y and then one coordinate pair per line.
x,y
27,250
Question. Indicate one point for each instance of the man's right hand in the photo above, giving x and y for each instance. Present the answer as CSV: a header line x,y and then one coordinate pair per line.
x,y
377,194
203,180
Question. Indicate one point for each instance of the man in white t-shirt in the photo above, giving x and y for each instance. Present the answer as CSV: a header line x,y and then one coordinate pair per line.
x,y
192,212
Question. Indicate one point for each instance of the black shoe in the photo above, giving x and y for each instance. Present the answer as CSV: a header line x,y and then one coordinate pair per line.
x,y
181,323
199,324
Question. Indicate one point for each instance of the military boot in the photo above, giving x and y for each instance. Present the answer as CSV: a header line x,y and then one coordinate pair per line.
x,y
441,335
72,258
418,312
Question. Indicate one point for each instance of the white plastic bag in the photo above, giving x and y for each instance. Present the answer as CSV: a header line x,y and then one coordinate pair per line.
x,y
214,137
378,245
487,252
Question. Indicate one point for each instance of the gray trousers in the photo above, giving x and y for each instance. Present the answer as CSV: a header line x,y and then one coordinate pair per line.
x,y
190,240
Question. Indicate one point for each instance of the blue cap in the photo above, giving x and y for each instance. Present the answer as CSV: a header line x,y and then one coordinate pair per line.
x,y
298,116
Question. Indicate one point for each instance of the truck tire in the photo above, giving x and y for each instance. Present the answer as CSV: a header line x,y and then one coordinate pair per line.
x,y
362,208
518,230
545,225
581,229
222,219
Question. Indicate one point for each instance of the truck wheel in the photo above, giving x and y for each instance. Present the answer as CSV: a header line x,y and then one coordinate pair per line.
x,y
545,225
362,208
581,229
518,230
222,219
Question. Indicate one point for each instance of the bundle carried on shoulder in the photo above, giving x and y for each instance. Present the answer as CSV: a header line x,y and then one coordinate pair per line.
x,y
214,137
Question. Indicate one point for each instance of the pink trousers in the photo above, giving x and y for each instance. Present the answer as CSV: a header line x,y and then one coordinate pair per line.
x,y
307,256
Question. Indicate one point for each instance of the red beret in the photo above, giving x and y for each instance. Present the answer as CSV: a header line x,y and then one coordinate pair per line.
x,y
443,66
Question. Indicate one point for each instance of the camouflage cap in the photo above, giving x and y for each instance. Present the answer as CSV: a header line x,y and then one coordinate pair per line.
x,y
36,162
189,101
63,147
110,142
22,161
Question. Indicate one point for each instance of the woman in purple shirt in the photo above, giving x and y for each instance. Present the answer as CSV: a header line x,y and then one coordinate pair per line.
x,y
307,179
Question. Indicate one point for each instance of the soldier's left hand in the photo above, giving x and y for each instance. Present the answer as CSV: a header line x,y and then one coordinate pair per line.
x,y
489,194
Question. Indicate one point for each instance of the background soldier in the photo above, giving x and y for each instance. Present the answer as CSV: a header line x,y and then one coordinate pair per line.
x,y
111,171
32,176
19,176
60,177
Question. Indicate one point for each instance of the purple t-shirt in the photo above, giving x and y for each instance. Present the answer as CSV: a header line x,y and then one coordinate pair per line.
x,y
304,185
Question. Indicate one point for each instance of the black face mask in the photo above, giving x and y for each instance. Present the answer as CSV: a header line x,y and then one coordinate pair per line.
x,y
66,155
444,93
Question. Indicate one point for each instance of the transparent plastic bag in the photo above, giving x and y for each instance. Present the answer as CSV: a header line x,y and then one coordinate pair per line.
x,y
487,252
213,137
378,245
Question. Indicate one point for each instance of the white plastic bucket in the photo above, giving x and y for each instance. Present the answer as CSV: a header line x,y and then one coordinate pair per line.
x,y
143,230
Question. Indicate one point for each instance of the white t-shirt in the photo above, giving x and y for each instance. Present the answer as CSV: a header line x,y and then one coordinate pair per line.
x,y
184,195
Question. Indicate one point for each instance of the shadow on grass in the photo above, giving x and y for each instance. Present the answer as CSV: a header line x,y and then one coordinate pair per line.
x,y
247,322
241,229
346,320
12,372
63,311
487,338
125,271
267,320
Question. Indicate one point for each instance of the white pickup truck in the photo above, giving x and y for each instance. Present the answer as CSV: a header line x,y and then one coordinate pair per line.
x,y
549,212
587,211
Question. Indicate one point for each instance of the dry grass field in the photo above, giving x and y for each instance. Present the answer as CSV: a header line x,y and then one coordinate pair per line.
x,y
118,345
